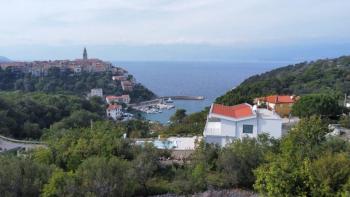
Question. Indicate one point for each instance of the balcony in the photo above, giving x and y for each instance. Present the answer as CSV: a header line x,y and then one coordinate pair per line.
x,y
212,128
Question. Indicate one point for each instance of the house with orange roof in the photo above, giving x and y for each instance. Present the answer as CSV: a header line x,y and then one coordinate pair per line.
x,y
127,86
114,111
118,99
226,123
281,104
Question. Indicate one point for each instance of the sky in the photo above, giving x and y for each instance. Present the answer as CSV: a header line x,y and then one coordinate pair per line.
x,y
198,30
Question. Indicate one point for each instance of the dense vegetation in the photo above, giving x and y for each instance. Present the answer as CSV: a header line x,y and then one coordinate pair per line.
x,y
307,164
329,75
183,124
324,105
57,81
27,115
97,161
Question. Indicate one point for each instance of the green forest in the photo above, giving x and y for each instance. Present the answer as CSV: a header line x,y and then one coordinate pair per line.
x,y
97,161
328,75
66,82
27,115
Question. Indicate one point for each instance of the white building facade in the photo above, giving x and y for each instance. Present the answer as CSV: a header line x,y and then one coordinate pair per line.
x,y
114,111
96,92
225,123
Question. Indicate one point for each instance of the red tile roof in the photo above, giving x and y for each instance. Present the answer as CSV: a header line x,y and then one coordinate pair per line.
x,y
114,107
236,111
111,97
126,83
279,99
124,96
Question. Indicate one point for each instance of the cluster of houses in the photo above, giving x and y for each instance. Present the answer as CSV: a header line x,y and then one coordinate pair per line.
x,y
226,123
41,68
115,108
126,81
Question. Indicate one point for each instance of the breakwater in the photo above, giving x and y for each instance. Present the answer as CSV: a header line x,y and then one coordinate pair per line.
x,y
183,97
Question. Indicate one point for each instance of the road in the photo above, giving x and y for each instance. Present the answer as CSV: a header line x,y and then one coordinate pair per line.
x,y
9,143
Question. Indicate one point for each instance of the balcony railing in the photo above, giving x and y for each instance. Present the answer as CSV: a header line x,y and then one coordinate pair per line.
x,y
212,131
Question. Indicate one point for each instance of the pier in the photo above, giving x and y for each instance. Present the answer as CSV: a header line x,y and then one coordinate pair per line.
x,y
183,97
161,103
164,98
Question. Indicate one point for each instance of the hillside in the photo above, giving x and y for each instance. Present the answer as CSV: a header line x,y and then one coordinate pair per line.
x,y
68,83
4,59
327,75
27,115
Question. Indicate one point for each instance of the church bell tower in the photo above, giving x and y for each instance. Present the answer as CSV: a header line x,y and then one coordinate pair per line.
x,y
85,55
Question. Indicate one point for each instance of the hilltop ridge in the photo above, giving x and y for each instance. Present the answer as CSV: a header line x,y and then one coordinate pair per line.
x,y
4,59
325,75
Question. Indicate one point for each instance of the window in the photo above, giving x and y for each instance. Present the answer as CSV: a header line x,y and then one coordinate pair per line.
x,y
247,128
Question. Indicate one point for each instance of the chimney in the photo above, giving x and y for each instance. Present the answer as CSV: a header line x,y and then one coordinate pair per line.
x,y
255,108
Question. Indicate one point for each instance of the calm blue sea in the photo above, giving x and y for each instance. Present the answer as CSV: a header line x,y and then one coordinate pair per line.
x,y
209,79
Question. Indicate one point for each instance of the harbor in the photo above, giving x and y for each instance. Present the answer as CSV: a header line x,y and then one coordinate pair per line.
x,y
162,103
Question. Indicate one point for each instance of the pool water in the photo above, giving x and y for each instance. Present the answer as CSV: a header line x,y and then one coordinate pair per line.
x,y
159,144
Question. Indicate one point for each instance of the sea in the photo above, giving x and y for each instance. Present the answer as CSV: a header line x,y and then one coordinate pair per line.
x,y
208,79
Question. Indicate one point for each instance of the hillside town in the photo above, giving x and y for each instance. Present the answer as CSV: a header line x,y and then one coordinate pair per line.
x,y
89,65
41,68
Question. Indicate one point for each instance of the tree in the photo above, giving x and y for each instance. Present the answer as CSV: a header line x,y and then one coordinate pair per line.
x,y
323,105
345,121
26,115
61,184
308,163
328,174
81,118
22,177
145,165
105,177
237,161
179,115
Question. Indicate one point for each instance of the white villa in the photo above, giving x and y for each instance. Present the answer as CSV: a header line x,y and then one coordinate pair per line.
x,y
225,123
114,111
96,92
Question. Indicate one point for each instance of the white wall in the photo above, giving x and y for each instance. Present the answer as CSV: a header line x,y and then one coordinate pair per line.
x,y
231,129
272,105
271,126
247,122
228,128
115,114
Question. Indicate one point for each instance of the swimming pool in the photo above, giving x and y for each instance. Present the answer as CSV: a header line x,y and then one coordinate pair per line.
x,y
160,144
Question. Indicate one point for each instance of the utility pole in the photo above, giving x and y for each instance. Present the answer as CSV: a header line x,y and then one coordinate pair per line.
x,y
345,99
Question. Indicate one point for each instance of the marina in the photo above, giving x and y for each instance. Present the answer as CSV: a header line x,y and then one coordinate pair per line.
x,y
162,103
178,79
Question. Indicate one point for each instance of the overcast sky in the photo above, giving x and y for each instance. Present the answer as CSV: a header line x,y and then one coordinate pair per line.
x,y
174,29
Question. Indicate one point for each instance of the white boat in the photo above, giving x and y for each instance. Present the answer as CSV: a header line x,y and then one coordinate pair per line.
x,y
169,100
170,106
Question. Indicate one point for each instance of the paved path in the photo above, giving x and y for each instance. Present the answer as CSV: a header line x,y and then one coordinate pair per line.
x,y
9,143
